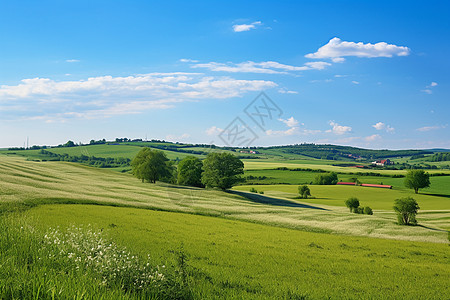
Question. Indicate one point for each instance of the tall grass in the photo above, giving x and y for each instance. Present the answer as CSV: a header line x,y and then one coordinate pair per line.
x,y
77,263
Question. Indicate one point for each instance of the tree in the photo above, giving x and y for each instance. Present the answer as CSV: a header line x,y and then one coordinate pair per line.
x,y
69,144
221,170
406,209
368,210
417,179
352,203
190,171
304,191
328,178
151,165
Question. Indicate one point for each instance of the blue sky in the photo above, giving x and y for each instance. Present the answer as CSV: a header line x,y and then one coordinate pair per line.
x,y
360,73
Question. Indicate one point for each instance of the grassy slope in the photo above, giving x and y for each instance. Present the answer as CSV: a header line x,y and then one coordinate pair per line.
x,y
251,261
62,182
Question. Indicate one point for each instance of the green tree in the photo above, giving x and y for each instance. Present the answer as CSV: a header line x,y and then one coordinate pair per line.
x,y
368,210
326,179
304,191
151,165
406,209
417,179
190,171
352,203
221,170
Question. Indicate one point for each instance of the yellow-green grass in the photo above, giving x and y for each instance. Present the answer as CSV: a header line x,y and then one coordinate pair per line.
x,y
335,195
238,260
258,164
31,183
114,151
440,185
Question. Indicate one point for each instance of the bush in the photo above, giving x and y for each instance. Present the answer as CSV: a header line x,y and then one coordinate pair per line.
x,y
261,192
326,179
352,203
368,211
253,190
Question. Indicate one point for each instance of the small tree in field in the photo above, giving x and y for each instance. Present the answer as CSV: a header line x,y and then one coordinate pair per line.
x,y
417,179
221,170
406,209
151,165
190,171
352,203
304,191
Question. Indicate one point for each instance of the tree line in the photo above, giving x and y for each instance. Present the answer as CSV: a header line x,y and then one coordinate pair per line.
x,y
217,170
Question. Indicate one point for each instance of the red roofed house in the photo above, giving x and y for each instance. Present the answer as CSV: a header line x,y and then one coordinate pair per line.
x,y
382,163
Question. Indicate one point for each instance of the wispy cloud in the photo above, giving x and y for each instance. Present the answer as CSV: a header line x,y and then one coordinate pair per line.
x,y
430,128
72,60
293,129
265,67
336,50
187,60
107,96
372,138
246,27
429,88
355,82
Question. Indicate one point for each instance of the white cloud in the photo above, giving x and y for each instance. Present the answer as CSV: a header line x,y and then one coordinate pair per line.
x,y
428,88
430,128
291,122
213,130
339,129
336,50
286,91
72,60
106,96
187,60
265,67
355,82
340,76
372,137
177,138
293,129
246,27
383,126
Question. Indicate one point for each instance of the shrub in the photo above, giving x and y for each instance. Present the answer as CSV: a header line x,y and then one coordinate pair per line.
x,y
326,179
261,192
368,211
253,190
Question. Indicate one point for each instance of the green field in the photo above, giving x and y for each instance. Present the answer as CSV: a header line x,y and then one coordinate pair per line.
x,y
238,260
239,245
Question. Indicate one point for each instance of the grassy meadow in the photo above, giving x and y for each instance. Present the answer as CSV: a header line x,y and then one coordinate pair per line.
x,y
214,244
230,259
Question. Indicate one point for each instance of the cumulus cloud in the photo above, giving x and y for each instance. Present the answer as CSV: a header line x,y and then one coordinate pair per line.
x,y
383,126
291,122
433,84
338,129
246,27
106,96
265,67
213,130
336,50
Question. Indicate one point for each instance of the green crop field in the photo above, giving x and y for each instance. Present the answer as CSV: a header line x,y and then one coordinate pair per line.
x,y
238,260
